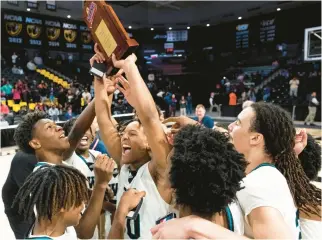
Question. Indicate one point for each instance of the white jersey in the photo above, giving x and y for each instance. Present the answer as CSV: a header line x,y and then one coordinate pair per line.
x,y
265,186
70,234
235,218
85,165
153,206
311,229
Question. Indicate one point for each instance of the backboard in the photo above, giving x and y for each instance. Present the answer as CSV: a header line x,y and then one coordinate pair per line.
x,y
312,44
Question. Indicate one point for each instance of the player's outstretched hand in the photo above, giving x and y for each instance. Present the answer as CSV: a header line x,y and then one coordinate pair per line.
x,y
103,169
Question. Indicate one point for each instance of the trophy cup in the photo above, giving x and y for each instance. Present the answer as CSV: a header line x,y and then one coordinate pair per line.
x,y
108,32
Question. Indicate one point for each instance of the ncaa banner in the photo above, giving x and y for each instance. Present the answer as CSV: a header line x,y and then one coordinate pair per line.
x,y
70,35
34,30
14,25
53,33
86,41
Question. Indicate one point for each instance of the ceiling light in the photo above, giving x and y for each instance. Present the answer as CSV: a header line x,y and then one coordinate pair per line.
x,y
28,9
130,27
208,25
278,9
239,18
170,28
152,29
68,16
188,27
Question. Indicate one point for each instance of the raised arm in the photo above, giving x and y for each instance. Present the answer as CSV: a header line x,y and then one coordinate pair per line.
x,y
138,95
82,124
106,123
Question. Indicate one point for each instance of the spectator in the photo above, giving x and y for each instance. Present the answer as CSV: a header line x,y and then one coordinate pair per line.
x,y
25,93
51,93
87,97
251,95
4,109
294,85
70,96
189,104
15,70
53,113
183,105
14,58
167,99
7,90
69,114
61,97
16,95
232,99
227,86
173,105
313,103
266,93
3,122
202,118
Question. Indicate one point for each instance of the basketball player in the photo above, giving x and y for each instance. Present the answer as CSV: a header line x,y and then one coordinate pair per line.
x,y
205,174
58,193
83,159
265,134
139,170
41,136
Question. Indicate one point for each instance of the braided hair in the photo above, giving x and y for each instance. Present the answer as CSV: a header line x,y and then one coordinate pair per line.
x,y
50,189
276,126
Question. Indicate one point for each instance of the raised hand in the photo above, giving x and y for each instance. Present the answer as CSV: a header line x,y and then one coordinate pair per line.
x,y
124,64
126,90
179,122
103,170
300,141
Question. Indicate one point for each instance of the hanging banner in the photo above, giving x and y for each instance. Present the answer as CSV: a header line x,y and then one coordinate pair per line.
x,y
53,32
51,5
86,41
32,4
70,35
34,31
13,28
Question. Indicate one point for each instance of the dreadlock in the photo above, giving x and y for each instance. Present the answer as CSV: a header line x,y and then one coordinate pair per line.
x,y
23,133
50,189
276,125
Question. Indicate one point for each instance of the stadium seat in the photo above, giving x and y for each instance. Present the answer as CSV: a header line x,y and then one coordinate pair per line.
x,y
4,102
32,106
23,104
10,103
16,107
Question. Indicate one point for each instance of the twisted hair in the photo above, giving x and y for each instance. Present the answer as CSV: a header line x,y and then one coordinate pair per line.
x,y
276,126
310,158
206,170
51,188
23,133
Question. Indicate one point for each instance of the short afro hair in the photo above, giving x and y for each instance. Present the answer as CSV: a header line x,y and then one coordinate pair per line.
x,y
68,126
206,170
310,158
23,133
